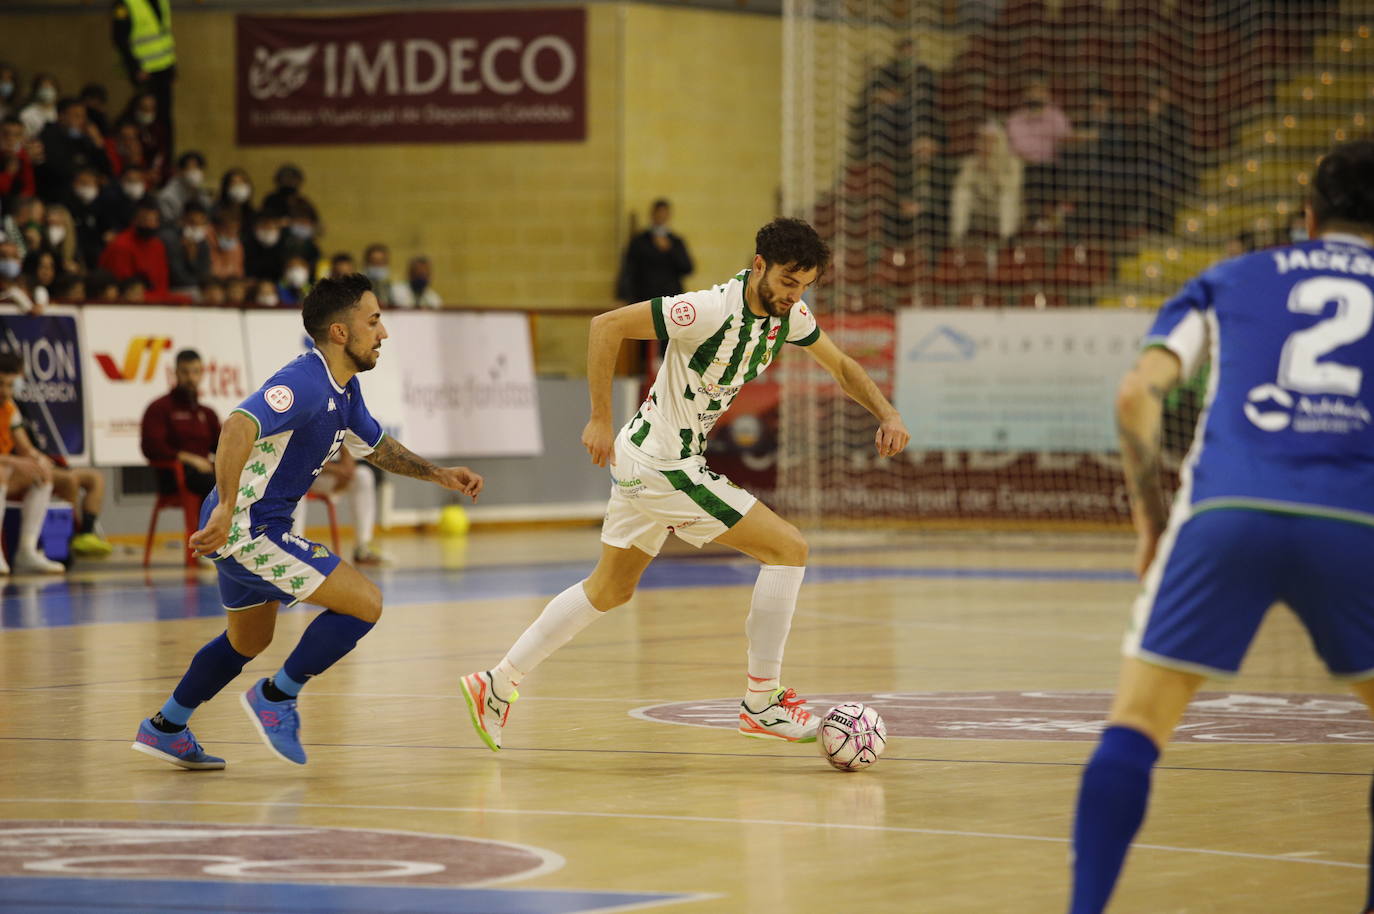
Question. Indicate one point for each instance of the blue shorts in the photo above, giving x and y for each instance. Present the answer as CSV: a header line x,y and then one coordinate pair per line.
x,y
269,563
1219,571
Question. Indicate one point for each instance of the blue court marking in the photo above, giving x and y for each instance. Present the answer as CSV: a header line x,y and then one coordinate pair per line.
x,y
60,603
41,895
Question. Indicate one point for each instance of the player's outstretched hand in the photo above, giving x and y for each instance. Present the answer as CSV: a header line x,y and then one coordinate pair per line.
x,y
215,533
461,479
599,440
892,437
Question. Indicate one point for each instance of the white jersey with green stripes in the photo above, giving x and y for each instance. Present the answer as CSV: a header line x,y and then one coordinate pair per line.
x,y
715,346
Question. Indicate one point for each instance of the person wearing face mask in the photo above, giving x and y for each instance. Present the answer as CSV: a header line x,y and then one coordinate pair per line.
x,y
656,260
302,229
95,97
16,165
236,192
226,248
188,251
416,292
295,281
13,295
288,180
377,266
9,90
70,144
116,203
142,33
139,252
41,109
141,113
264,250
39,269
60,236
81,204
186,186
265,295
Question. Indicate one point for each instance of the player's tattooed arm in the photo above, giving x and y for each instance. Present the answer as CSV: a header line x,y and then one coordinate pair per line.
x,y
1141,459
394,457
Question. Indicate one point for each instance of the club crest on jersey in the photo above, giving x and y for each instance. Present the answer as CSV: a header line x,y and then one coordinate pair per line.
x,y
773,334
279,398
683,313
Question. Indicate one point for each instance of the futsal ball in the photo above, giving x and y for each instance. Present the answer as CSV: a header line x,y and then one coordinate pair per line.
x,y
453,520
852,736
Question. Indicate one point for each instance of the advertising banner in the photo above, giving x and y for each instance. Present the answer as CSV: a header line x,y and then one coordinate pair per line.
x,y
130,362
1015,380
462,76
52,397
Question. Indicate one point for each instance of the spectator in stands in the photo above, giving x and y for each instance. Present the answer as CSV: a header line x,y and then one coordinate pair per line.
x,y
138,252
70,144
416,292
16,161
345,475
13,294
61,238
301,231
95,98
1035,131
377,266
153,142
1094,166
655,262
39,270
114,208
226,246
186,185
236,194
212,293
80,204
265,294
295,281
124,148
987,188
288,182
188,250
23,472
41,108
9,90
1163,156
142,33
133,291
179,427
101,287
236,291
29,221
69,290
924,201
264,252
341,265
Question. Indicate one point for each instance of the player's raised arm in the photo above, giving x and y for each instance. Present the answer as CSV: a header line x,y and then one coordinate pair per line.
x,y
1139,417
892,436
236,439
608,331
394,457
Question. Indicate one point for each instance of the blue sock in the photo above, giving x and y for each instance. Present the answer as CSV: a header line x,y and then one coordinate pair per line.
x,y
325,641
1111,806
212,668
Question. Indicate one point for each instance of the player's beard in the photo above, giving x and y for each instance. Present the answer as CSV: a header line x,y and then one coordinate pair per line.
x,y
770,304
364,362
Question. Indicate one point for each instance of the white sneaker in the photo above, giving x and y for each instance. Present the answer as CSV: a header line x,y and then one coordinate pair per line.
x,y
783,719
31,561
488,712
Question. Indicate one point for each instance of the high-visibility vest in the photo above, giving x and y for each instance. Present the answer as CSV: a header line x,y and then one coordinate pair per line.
x,y
150,39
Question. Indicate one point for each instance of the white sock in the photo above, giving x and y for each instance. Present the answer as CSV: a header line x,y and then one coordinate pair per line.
x,y
362,490
770,619
563,617
34,511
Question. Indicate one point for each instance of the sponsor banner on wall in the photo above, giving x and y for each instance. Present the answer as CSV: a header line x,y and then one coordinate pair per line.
x,y
413,77
52,397
1014,380
130,361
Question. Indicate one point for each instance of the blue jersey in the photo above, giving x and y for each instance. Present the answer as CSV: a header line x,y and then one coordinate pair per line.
x,y
303,418
1287,423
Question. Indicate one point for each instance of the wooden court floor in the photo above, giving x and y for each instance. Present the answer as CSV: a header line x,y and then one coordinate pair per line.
x,y
622,784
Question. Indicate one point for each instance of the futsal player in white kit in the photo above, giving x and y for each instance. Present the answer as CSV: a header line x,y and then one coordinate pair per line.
x,y
718,340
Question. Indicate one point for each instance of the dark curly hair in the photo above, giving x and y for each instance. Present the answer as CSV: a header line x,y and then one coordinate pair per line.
x,y
327,301
792,243
1343,190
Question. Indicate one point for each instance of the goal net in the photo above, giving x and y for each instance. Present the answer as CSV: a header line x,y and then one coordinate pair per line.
x,y
1010,190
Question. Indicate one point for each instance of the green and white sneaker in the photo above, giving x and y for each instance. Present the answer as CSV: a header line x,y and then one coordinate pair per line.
x,y
488,712
784,718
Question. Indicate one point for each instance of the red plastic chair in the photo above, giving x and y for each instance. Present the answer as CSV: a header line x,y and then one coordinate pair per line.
x,y
333,516
183,498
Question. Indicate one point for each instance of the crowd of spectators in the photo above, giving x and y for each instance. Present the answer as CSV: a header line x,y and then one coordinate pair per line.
x,y
96,208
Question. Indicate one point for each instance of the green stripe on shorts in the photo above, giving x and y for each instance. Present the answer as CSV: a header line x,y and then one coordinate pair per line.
x,y
638,437
704,497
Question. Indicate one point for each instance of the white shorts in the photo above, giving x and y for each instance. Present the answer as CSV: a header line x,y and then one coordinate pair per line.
x,y
685,497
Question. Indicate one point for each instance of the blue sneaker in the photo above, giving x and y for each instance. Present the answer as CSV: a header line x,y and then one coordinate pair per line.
x,y
277,723
180,748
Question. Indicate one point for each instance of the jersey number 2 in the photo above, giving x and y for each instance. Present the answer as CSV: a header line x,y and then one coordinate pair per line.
x,y
1300,367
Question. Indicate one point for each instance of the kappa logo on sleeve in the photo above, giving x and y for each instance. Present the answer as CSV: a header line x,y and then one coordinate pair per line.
x,y
279,398
683,313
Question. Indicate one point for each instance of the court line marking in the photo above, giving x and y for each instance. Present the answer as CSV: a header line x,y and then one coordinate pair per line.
x,y
659,817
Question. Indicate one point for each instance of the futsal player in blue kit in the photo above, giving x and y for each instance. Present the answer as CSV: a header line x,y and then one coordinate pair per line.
x,y
1276,499
271,448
